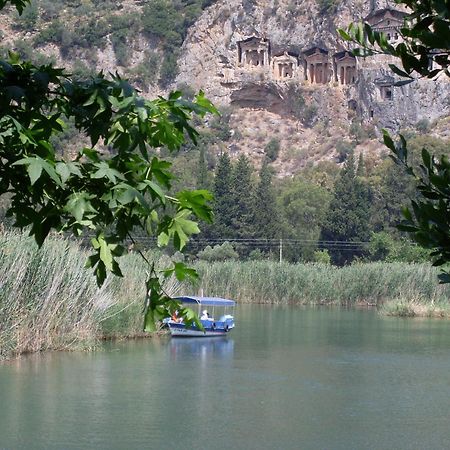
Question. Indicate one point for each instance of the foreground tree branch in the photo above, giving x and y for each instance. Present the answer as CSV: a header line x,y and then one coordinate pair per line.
x,y
107,193
424,52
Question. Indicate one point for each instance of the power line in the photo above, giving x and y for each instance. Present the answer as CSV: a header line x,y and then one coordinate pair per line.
x,y
262,243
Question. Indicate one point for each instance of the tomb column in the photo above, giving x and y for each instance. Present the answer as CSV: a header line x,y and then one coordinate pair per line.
x,y
266,58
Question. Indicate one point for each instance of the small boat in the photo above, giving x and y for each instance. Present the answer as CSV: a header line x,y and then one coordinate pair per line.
x,y
211,326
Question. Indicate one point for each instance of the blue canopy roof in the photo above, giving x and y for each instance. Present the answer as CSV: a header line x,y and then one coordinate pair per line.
x,y
207,301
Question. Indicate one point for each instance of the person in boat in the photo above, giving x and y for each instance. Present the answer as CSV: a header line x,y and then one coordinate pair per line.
x,y
205,315
176,318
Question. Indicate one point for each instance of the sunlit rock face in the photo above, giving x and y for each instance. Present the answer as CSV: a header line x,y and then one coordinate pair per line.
x,y
258,54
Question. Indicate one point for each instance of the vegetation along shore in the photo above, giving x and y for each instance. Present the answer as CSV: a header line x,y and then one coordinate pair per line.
x,y
50,301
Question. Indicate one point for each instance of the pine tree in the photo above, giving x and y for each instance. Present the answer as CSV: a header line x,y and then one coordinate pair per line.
x,y
202,174
242,193
223,198
348,218
361,169
265,210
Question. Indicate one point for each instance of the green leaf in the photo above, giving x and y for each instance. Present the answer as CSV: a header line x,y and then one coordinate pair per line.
x,y
163,239
149,321
63,171
426,158
156,191
78,203
399,72
105,171
182,228
105,253
388,142
182,272
34,170
197,202
344,35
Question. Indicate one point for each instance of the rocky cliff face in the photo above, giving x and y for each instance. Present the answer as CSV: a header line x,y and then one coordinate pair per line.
x,y
278,67
282,68
211,59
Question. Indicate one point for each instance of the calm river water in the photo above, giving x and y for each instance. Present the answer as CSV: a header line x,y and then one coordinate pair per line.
x,y
285,378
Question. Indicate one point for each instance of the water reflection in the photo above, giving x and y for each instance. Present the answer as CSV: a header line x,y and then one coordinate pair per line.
x,y
203,349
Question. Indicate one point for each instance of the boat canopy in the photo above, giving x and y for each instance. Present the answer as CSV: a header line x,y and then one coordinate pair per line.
x,y
207,301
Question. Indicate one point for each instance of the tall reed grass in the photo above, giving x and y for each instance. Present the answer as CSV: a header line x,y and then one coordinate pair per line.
x,y
48,300
372,283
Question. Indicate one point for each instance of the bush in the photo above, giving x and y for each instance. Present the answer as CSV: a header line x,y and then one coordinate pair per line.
x,y
53,33
50,9
272,149
169,69
24,49
380,246
146,73
121,49
220,126
257,255
222,252
328,6
27,21
160,18
423,126
343,149
297,102
322,257
309,114
358,132
383,247
81,70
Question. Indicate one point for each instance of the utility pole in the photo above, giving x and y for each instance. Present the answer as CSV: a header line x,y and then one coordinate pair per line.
x,y
281,250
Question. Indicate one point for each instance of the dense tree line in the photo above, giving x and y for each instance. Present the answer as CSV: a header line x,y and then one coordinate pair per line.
x,y
327,212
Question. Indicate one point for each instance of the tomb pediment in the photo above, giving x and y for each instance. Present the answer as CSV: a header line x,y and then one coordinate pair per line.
x,y
315,51
390,17
254,43
344,57
285,58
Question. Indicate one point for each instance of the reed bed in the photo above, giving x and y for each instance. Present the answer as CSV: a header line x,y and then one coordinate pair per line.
x,y
373,283
49,300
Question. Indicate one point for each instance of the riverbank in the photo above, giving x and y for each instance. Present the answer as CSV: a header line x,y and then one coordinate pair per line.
x,y
50,301
395,288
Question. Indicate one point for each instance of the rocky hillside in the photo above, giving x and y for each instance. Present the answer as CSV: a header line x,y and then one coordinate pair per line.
x,y
277,68
309,112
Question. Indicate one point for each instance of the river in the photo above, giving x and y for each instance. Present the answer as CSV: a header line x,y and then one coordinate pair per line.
x,y
285,378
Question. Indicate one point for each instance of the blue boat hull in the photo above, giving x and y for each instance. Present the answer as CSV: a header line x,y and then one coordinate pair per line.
x,y
180,329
